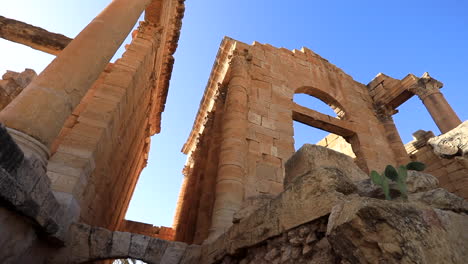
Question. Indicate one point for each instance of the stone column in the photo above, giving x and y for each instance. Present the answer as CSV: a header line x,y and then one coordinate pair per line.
x,y
42,108
428,90
229,193
384,114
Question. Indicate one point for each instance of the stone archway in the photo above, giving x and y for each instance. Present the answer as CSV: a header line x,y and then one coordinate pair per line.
x,y
89,243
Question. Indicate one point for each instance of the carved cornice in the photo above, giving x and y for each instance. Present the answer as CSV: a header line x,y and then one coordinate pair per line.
x,y
215,82
426,86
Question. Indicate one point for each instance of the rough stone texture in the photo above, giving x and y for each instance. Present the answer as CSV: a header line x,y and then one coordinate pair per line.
x,y
13,83
174,253
294,246
451,173
415,182
192,255
419,182
138,245
452,143
155,250
441,199
250,206
364,230
120,244
310,157
26,190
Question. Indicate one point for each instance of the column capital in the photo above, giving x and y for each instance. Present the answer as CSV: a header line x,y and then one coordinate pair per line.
x,y
238,63
426,86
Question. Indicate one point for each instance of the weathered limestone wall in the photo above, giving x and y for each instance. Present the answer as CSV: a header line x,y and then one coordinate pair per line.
x,y
337,143
451,173
258,83
162,232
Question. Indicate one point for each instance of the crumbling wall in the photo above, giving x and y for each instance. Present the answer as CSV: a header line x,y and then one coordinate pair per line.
x,y
12,84
451,173
258,83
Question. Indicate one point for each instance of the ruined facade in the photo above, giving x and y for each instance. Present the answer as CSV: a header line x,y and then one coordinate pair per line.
x,y
247,196
243,133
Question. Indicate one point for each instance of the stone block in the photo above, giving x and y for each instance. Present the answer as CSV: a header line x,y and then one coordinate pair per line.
x,y
268,123
394,237
174,253
100,242
26,176
9,190
138,246
192,255
79,243
47,214
310,157
254,118
155,250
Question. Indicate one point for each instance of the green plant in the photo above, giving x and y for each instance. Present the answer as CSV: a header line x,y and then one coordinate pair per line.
x,y
396,175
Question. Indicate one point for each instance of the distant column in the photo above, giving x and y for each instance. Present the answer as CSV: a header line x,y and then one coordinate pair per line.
x,y
42,108
229,192
396,144
428,90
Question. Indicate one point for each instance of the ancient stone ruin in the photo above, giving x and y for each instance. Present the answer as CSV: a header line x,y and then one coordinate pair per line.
x,y
247,196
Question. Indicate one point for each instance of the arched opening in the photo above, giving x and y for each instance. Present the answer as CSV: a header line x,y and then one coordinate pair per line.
x,y
319,131
320,99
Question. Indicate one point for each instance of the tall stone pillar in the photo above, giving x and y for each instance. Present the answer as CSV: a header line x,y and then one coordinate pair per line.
x,y
396,144
428,90
40,111
232,168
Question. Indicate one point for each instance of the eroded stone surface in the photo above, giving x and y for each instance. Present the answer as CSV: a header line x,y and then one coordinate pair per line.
x,y
452,143
13,83
365,230
416,182
310,157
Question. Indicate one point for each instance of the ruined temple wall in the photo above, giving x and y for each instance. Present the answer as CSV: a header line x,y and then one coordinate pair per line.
x,y
276,75
269,77
102,153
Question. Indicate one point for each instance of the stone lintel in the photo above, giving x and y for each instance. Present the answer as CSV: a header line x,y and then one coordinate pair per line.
x,y
325,122
32,36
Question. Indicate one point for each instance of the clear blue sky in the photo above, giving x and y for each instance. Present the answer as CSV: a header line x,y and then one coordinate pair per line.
x,y
361,37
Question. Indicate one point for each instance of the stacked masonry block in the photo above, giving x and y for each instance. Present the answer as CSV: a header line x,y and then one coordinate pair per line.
x,y
104,144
